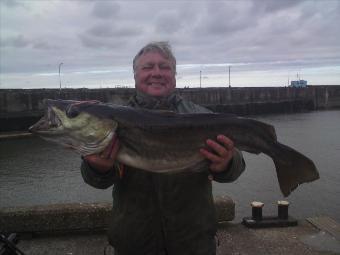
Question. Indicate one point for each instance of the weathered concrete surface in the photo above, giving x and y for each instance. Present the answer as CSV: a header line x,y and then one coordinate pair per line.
x,y
55,218
233,238
237,239
225,208
77,217
80,229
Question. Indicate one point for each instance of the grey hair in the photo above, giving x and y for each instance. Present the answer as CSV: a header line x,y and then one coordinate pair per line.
x,y
162,47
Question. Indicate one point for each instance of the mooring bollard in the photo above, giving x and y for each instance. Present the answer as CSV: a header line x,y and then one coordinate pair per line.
x,y
257,210
282,209
259,221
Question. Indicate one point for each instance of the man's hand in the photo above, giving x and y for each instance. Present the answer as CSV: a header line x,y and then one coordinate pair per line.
x,y
104,161
222,153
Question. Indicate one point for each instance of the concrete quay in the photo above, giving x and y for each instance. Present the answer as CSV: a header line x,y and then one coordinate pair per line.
x,y
76,217
234,238
81,229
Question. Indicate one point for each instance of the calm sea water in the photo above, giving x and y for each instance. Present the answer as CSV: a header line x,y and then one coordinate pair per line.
x,y
35,172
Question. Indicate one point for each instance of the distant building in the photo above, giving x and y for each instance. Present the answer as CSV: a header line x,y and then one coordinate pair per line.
x,y
298,84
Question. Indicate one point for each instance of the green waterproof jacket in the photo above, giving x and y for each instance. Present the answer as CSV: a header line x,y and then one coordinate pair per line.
x,y
156,213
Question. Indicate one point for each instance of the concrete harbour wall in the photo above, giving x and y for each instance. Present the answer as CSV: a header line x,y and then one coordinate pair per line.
x,y
77,217
19,108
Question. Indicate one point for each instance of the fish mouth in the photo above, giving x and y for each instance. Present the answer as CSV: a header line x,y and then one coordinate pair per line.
x,y
50,123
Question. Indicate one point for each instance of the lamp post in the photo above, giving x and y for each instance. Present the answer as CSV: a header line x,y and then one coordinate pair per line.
x,y
60,79
200,79
229,78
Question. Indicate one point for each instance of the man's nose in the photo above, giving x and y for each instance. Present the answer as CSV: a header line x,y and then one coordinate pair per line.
x,y
156,71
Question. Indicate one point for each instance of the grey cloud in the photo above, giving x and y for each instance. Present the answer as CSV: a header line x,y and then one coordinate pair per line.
x,y
15,41
111,29
224,18
105,9
272,6
301,30
20,41
228,18
101,30
10,3
97,42
43,45
168,22
88,34
108,35
128,31
90,41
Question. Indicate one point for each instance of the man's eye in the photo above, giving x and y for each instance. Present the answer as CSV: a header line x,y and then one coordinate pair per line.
x,y
165,67
147,67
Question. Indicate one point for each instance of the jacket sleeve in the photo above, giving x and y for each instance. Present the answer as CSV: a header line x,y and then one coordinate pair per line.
x,y
98,180
235,169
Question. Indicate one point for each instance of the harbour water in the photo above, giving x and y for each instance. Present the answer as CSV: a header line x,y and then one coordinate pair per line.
x,y
35,172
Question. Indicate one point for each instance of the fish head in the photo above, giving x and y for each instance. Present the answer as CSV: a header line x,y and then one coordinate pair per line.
x,y
74,124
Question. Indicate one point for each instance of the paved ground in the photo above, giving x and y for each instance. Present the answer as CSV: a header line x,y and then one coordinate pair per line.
x,y
234,238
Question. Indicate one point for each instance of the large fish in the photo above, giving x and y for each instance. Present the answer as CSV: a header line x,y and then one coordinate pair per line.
x,y
160,141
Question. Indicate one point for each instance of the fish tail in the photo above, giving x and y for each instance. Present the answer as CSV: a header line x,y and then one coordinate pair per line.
x,y
293,168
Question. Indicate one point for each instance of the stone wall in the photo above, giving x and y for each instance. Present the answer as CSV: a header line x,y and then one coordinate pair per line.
x,y
19,108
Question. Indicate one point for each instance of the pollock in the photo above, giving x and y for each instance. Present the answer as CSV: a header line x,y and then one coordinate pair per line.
x,y
165,142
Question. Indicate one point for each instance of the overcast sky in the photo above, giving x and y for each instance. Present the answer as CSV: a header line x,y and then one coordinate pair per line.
x,y
266,42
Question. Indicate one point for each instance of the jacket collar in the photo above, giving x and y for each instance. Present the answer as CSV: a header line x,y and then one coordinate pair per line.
x,y
142,100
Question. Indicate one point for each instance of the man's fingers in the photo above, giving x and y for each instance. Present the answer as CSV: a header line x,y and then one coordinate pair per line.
x,y
216,147
222,148
220,154
211,156
228,144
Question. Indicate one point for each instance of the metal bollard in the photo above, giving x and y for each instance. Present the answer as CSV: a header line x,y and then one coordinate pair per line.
x,y
257,210
282,209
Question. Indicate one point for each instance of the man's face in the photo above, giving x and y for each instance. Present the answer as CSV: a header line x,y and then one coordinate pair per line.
x,y
154,75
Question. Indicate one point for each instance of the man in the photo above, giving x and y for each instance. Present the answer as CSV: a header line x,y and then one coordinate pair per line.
x,y
162,213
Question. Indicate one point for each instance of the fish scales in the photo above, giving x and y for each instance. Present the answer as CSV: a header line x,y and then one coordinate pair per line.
x,y
161,141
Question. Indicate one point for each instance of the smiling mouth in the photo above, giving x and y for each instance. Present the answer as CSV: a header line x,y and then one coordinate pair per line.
x,y
156,84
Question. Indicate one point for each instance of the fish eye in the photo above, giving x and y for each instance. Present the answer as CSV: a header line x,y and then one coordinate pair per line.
x,y
72,111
